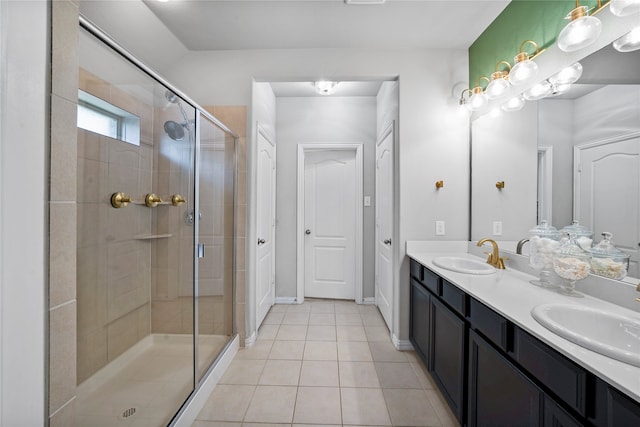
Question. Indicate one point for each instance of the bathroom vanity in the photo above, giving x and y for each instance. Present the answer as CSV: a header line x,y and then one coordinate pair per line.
x,y
497,366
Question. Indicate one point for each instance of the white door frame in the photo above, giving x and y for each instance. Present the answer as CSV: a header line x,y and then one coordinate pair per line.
x,y
302,150
545,182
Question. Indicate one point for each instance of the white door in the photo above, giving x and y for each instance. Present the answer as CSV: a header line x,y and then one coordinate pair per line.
x,y
266,209
330,208
608,190
384,225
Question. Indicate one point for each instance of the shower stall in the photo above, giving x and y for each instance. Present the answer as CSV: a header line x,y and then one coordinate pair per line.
x,y
156,202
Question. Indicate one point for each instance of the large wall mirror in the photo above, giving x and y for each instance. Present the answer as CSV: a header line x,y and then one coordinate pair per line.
x,y
575,156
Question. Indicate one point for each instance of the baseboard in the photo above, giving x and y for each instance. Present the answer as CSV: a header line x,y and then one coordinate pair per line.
x,y
249,341
369,300
286,300
402,345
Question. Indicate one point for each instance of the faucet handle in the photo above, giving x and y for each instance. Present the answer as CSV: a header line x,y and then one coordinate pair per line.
x,y
501,261
489,257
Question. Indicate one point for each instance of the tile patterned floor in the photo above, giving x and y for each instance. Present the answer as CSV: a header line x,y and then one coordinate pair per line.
x,y
325,363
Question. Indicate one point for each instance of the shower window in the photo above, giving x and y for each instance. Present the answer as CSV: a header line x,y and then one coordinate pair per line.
x,y
99,116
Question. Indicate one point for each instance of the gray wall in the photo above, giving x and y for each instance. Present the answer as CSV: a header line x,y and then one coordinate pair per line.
x,y
320,120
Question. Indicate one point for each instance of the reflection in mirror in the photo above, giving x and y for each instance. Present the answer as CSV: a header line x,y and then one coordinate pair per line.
x,y
572,156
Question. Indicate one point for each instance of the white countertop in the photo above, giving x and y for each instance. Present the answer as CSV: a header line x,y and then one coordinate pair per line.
x,y
509,293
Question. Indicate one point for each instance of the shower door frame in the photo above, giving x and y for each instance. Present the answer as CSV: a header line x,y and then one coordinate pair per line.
x,y
92,29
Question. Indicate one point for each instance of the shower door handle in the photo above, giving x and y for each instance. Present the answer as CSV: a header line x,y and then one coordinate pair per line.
x,y
200,250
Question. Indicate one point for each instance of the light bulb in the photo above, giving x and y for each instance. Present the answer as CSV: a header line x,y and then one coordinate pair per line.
x,y
567,75
523,71
582,31
538,91
558,89
629,42
624,7
498,85
478,100
324,87
514,104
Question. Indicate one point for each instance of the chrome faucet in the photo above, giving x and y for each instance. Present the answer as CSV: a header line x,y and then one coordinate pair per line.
x,y
520,245
494,258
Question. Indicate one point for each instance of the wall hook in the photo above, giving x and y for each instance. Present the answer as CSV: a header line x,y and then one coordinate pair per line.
x,y
500,185
439,184
120,200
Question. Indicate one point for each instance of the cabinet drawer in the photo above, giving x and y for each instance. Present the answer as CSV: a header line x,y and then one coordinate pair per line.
x,y
431,280
563,377
453,296
489,323
416,269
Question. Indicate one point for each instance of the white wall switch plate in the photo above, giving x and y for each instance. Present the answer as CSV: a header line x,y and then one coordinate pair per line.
x,y
439,228
367,200
497,228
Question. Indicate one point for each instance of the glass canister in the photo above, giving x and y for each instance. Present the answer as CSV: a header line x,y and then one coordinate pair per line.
x,y
584,236
543,243
571,263
607,260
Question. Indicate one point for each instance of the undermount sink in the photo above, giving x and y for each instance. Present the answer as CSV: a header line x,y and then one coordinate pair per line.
x,y
602,331
463,265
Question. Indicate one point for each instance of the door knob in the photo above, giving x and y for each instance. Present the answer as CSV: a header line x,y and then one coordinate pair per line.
x,y
261,241
387,242
307,231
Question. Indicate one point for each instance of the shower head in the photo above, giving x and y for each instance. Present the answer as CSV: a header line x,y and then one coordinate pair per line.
x,y
171,97
175,130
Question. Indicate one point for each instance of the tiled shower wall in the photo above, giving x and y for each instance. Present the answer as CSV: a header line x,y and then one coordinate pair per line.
x,y
62,213
113,268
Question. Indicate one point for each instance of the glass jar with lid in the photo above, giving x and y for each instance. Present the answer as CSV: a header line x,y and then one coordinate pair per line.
x,y
571,263
583,236
543,243
607,260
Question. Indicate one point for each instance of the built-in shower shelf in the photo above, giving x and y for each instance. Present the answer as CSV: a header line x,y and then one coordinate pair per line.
x,y
152,236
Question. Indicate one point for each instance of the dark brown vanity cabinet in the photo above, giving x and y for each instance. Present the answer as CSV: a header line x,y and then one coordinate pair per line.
x,y
447,356
493,373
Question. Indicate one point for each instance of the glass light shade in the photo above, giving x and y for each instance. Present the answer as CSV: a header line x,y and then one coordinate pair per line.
x,y
523,71
567,75
538,91
624,7
580,32
478,100
514,104
324,87
497,87
629,42
560,89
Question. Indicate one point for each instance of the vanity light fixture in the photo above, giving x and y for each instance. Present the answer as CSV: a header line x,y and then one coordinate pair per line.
x,y
567,75
582,31
478,98
514,104
524,69
325,87
629,42
624,7
464,101
538,91
559,89
499,82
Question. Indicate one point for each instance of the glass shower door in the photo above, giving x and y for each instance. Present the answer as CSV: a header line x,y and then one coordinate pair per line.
x,y
215,265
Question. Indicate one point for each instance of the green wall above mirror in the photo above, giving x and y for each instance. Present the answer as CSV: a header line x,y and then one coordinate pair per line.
x,y
537,20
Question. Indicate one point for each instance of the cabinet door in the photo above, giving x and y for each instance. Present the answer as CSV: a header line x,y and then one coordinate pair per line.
x,y
499,395
419,327
448,356
555,416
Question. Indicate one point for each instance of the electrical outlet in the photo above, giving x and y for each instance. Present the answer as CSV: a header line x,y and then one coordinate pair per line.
x,y
439,228
497,228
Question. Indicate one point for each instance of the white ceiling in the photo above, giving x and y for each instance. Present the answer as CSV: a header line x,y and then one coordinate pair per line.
x,y
160,33
310,24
